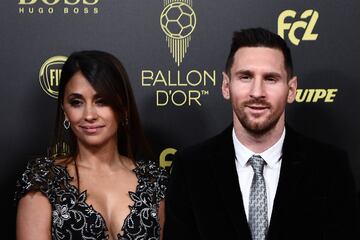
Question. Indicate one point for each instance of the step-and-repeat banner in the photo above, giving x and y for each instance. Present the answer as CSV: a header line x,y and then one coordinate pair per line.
x,y
174,52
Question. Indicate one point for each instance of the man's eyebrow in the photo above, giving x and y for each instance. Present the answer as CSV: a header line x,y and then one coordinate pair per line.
x,y
243,72
273,74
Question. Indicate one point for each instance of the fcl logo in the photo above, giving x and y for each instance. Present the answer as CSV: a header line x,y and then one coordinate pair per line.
x,y
305,24
178,21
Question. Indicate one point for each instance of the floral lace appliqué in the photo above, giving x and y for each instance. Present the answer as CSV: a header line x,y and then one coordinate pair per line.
x,y
73,218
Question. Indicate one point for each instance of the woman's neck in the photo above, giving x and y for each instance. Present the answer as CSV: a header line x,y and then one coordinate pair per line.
x,y
104,157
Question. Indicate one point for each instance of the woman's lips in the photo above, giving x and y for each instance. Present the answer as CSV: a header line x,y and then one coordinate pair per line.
x,y
91,129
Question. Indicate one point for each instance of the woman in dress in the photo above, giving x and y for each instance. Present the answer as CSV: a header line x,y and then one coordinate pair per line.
x,y
92,185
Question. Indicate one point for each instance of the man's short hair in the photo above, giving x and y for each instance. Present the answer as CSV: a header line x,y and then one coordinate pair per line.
x,y
259,37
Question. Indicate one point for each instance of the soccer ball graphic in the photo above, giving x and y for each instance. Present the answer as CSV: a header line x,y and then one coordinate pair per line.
x,y
178,20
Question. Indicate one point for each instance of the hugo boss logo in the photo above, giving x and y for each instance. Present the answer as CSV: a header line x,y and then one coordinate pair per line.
x,y
49,7
54,2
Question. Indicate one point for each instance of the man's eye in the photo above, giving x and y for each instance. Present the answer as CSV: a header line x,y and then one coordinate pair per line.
x,y
244,78
270,79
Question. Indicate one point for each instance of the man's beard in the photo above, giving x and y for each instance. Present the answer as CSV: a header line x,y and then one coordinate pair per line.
x,y
257,128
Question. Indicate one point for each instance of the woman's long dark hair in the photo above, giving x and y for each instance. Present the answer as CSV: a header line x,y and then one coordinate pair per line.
x,y
108,77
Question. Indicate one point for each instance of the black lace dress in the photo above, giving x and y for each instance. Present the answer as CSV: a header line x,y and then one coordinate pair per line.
x,y
73,218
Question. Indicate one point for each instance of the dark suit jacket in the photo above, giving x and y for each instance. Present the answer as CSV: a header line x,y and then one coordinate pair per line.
x,y
315,198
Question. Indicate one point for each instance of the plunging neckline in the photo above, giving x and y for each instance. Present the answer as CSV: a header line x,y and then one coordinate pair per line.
x,y
90,206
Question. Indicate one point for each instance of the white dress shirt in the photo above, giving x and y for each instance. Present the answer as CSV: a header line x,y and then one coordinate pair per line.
x,y
272,157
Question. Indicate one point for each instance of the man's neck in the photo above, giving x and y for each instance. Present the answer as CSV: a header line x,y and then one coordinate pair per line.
x,y
259,143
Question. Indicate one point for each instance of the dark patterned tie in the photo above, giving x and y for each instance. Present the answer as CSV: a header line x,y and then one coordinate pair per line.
x,y
258,201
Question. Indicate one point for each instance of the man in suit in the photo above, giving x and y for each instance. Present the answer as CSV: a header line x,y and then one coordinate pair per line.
x,y
259,179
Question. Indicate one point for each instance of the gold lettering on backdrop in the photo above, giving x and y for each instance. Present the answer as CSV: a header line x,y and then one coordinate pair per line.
x,y
170,79
50,73
89,2
164,162
316,95
75,7
178,88
54,2
48,2
178,97
55,77
69,2
175,83
330,95
292,26
178,21
27,2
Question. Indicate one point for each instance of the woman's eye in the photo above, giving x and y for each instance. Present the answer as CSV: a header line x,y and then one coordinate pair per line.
x,y
100,102
75,102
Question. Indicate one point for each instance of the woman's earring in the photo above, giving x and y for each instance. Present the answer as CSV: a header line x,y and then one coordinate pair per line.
x,y
125,122
66,124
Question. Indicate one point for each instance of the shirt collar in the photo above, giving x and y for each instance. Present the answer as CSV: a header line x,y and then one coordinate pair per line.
x,y
271,155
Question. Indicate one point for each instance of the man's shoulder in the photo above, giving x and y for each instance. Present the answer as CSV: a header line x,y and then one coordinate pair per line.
x,y
208,147
295,141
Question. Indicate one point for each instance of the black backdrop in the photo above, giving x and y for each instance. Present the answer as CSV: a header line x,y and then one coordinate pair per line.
x,y
178,94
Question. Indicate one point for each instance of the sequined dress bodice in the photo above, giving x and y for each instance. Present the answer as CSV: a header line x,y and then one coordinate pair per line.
x,y
73,218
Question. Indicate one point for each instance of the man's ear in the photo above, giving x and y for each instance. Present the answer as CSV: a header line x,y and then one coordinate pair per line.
x,y
292,83
225,87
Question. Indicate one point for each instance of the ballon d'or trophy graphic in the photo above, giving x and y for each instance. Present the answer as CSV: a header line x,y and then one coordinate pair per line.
x,y
178,21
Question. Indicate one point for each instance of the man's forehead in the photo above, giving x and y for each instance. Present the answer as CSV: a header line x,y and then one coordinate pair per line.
x,y
260,51
258,57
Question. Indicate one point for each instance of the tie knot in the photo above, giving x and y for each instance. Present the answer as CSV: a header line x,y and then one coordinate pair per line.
x,y
257,163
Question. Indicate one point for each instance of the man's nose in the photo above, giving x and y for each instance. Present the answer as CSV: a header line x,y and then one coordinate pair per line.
x,y
257,88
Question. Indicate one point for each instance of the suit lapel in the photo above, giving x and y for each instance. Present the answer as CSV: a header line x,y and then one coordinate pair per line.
x,y
292,170
227,183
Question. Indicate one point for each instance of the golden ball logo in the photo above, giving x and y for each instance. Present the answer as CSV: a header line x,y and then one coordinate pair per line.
x,y
49,75
179,87
178,20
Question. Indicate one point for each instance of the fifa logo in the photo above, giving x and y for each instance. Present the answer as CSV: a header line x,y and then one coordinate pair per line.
x,y
307,23
49,75
178,21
